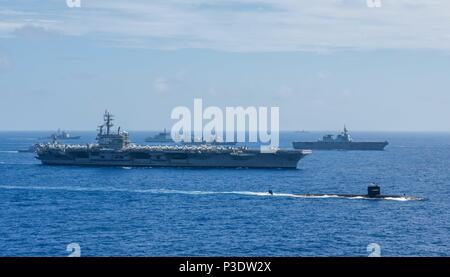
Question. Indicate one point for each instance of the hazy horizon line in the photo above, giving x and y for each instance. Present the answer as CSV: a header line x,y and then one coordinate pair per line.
x,y
296,131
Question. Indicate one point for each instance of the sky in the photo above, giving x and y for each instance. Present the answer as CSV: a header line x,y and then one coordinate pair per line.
x,y
324,63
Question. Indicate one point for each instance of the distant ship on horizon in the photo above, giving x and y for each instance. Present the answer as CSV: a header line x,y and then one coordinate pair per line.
x,y
343,141
62,135
165,137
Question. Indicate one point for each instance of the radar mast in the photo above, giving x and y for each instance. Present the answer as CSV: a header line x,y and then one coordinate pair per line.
x,y
108,118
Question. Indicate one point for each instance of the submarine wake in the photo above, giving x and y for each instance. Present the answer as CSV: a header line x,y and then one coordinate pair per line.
x,y
198,192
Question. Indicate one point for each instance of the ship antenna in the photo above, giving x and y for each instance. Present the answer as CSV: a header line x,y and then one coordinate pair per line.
x,y
108,121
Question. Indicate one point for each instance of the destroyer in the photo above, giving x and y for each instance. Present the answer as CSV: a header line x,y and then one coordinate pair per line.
x,y
62,135
113,148
342,141
165,137
162,137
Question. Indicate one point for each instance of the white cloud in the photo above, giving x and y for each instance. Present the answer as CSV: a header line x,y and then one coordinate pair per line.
x,y
5,62
285,91
321,75
249,25
34,30
160,84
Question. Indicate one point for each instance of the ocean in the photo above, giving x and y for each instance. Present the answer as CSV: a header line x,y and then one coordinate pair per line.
x,y
228,212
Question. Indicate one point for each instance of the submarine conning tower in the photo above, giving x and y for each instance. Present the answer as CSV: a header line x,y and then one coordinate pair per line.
x,y
373,190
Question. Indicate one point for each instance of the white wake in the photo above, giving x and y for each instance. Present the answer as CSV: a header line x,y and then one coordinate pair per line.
x,y
195,192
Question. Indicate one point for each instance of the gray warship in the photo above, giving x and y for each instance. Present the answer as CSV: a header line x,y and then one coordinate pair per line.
x,y
162,137
62,135
165,137
343,141
113,148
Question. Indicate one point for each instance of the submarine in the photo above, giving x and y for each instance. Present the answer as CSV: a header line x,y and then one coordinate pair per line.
x,y
373,193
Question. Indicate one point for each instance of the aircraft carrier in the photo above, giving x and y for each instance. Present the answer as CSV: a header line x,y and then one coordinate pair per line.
x,y
343,141
113,148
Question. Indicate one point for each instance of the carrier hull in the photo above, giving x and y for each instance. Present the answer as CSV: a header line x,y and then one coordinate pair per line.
x,y
374,146
228,159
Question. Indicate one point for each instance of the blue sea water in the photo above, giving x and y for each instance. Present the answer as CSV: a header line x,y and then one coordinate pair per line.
x,y
227,212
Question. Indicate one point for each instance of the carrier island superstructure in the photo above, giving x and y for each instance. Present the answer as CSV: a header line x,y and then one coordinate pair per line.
x,y
113,148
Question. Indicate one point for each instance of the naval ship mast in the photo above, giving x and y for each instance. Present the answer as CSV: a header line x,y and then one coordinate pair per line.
x,y
109,139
